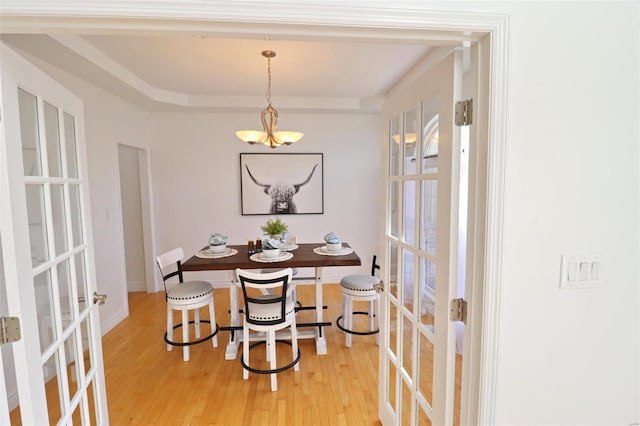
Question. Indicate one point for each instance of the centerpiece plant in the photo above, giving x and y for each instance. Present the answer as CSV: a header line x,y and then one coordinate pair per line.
x,y
274,227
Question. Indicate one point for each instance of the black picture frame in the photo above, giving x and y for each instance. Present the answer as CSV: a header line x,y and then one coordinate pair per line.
x,y
279,184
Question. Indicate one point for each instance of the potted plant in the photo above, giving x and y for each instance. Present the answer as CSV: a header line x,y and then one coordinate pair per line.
x,y
217,243
270,247
274,228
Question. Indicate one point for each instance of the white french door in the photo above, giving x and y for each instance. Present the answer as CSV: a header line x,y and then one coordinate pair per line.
x,y
419,242
47,249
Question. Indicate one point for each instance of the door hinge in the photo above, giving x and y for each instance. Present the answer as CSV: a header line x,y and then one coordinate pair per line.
x,y
9,330
464,113
458,310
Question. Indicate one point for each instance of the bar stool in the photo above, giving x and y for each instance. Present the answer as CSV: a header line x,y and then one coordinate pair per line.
x,y
359,288
184,297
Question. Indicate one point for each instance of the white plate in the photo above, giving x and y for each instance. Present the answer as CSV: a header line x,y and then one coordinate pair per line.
x,y
324,251
289,247
259,257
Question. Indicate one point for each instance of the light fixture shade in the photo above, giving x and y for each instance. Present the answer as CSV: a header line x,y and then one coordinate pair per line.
x,y
287,137
408,138
252,136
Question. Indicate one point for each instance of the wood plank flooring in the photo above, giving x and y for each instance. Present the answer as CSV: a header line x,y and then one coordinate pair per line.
x,y
146,385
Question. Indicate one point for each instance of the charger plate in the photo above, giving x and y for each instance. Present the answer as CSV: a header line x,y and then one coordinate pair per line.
x,y
208,254
259,257
323,251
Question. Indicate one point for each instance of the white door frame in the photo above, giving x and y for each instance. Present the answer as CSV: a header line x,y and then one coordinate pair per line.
x,y
144,166
404,20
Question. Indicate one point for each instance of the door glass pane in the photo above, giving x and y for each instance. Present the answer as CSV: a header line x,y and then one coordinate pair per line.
x,y
407,344
410,137
73,373
428,216
37,225
425,370
51,126
409,211
405,415
42,285
392,374
76,215
64,284
59,219
28,106
408,279
89,400
423,417
394,146
52,388
394,209
427,291
85,329
393,328
81,281
430,118
393,271
70,145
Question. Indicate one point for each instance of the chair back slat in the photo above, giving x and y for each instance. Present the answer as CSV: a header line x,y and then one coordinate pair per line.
x,y
374,265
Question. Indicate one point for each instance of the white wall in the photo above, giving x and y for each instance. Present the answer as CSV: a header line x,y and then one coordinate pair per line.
x,y
196,169
571,356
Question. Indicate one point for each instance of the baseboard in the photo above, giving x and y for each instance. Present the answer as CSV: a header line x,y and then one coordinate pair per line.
x,y
107,324
12,400
136,286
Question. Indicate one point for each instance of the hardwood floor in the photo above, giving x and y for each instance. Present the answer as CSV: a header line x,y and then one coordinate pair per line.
x,y
148,385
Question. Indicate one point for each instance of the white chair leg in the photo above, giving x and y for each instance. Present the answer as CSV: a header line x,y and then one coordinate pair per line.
x,y
185,334
294,344
245,350
196,317
272,361
169,327
348,319
212,318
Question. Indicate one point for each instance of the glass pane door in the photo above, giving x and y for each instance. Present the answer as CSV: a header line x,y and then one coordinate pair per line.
x,y
416,350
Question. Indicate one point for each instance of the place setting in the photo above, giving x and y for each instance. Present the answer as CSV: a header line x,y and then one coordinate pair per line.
x,y
271,252
217,248
333,246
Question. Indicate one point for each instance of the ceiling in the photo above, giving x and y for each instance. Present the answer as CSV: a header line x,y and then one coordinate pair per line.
x,y
165,72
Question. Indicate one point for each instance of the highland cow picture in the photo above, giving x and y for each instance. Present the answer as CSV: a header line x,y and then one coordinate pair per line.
x,y
277,184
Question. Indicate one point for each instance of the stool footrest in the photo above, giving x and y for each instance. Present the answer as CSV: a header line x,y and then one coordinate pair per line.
x,y
275,370
360,333
194,342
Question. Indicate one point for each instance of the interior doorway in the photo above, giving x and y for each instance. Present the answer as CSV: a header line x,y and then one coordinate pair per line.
x,y
132,165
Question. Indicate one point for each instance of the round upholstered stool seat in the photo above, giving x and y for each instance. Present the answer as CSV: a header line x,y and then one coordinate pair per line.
x,y
358,288
271,311
359,285
189,292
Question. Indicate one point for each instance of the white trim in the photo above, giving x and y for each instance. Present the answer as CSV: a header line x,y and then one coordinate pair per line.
x,y
400,19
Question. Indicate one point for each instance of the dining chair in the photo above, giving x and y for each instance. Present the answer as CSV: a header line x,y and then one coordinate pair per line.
x,y
359,288
185,297
266,314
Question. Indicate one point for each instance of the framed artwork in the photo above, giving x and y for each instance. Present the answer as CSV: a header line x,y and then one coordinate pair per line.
x,y
281,184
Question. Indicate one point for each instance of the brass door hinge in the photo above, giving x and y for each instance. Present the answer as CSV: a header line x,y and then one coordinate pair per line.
x,y
458,310
9,330
464,113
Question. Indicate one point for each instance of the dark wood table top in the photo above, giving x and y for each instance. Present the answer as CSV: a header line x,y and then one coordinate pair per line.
x,y
303,257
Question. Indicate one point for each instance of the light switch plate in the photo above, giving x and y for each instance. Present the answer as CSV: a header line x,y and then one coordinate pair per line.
x,y
580,271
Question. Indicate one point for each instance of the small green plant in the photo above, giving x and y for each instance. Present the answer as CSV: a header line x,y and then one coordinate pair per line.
x,y
274,227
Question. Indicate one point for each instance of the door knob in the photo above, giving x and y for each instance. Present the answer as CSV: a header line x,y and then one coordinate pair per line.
x,y
379,287
99,298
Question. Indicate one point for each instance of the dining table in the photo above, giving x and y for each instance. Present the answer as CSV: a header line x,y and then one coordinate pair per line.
x,y
301,255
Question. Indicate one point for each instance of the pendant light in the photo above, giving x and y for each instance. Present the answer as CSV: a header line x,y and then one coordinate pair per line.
x,y
270,135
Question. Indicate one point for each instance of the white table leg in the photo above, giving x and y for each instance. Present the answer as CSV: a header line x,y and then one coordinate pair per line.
x,y
232,347
321,341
